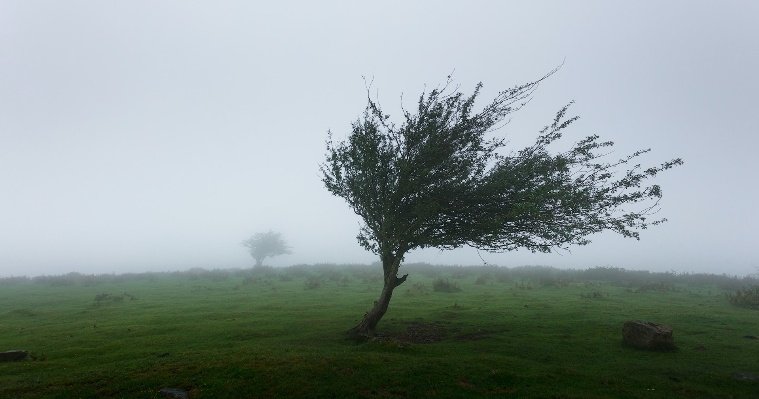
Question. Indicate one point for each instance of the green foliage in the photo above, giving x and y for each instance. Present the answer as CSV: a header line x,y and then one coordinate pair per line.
x,y
441,178
437,180
747,297
264,245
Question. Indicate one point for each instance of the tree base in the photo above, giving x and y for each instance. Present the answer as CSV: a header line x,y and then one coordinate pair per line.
x,y
358,336
365,328
362,331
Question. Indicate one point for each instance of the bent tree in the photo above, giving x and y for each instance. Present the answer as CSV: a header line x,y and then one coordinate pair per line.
x,y
442,178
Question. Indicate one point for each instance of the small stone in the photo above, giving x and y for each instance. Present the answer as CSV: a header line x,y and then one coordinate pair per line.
x,y
13,356
647,335
743,376
174,393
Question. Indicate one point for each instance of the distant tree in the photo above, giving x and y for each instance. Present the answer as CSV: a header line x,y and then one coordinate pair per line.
x,y
440,179
264,245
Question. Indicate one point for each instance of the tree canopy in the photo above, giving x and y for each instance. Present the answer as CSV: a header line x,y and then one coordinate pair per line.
x,y
442,178
264,245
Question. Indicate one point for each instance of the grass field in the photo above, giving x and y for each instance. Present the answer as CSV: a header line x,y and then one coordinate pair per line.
x,y
522,333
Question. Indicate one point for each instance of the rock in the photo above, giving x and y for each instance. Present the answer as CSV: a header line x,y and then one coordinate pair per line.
x,y
174,393
742,376
13,356
647,335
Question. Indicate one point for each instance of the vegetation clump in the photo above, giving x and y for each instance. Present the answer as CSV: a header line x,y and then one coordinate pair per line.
x,y
111,298
312,283
593,295
482,279
522,285
418,289
445,285
425,333
657,287
555,282
746,297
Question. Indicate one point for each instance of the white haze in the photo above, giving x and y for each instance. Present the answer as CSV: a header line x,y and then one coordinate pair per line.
x,y
157,135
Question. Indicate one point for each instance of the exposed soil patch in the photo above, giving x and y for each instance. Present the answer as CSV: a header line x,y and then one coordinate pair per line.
x,y
473,336
418,332
425,333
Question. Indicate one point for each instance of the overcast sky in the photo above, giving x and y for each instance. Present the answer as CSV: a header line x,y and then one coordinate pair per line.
x,y
157,135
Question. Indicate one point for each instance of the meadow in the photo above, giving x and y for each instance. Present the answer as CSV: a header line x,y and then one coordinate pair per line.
x,y
451,332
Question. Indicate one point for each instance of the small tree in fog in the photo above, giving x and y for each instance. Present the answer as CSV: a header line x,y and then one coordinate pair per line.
x,y
264,245
441,179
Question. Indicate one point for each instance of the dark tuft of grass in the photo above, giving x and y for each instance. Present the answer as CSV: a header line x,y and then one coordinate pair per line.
x,y
445,285
745,297
313,282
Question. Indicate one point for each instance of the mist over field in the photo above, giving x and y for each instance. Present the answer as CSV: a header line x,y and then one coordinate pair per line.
x,y
144,136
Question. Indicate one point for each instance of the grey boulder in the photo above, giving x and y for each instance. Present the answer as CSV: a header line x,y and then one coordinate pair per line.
x,y
647,335
174,393
13,356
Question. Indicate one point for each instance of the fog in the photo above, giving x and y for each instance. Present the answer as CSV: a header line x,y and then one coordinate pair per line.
x,y
147,135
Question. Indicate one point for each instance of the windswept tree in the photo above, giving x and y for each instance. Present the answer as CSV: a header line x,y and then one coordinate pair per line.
x,y
264,245
442,178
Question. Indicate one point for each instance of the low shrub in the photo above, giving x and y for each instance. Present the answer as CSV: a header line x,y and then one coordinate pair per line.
x,y
111,298
423,269
551,281
313,283
745,297
523,285
482,279
253,280
418,289
593,295
657,287
14,280
69,279
365,274
445,285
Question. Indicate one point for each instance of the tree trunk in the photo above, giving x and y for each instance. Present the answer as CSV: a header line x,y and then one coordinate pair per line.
x,y
365,328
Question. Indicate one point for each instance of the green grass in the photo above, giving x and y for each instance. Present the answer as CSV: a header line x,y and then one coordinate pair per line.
x,y
521,334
